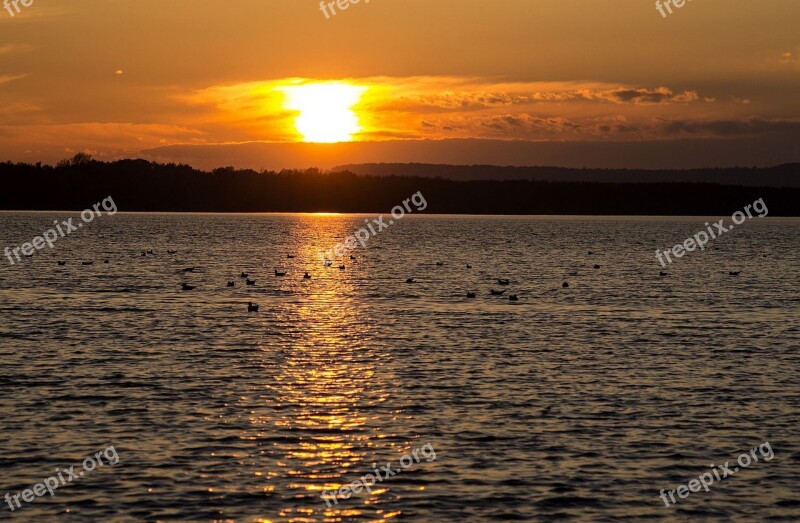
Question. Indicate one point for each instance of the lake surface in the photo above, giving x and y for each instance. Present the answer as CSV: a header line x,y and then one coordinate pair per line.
x,y
576,404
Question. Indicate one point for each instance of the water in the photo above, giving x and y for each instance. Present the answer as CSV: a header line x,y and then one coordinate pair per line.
x,y
573,404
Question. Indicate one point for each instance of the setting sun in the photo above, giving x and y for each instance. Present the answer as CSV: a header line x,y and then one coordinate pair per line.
x,y
326,113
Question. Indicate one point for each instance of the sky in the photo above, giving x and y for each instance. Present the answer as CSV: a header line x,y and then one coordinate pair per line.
x,y
577,83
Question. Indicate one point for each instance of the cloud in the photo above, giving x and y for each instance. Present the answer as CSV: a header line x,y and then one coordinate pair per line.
x,y
731,128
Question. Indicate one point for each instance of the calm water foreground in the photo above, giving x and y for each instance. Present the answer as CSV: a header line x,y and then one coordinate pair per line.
x,y
573,404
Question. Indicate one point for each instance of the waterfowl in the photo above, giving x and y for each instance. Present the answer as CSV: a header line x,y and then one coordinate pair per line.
x,y
590,253
502,281
410,280
87,263
277,273
306,276
150,252
62,263
596,266
439,264
732,273
352,257
105,261
250,282
144,253
188,269
341,267
252,307
244,275
662,273
470,295
469,266
188,287
231,284
290,256
171,252
497,293
565,285
513,297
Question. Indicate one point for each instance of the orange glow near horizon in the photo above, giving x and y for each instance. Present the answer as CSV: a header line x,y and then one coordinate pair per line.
x,y
326,112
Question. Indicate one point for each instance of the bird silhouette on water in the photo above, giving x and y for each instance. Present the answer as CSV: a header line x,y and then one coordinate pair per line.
x,y
306,276
188,287
244,275
470,295
250,282
497,293
278,273
231,284
252,307
501,281
513,297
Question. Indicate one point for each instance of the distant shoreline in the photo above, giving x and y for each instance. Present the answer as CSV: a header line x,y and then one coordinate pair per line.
x,y
142,186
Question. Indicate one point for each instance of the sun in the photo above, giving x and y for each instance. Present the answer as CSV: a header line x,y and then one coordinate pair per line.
x,y
326,110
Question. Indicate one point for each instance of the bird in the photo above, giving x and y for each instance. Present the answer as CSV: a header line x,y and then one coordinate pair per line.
x,y
502,281
513,297
469,266
470,295
171,252
188,269
150,252
736,273
590,253
188,287
546,411
352,257
565,285
231,284
252,307
497,293
144,253
410,280
105,261
439,264
62,263
596,266
290,256
327,263
250,282
341,267
306,276
277,273
244,275
662,273
87,263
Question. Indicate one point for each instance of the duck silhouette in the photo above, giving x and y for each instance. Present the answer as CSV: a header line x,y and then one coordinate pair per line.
x,y
565,285
513,297
87,263
470,295
171,252
188,287
244,275
278,273
188,269
662,273
252,307
439,264
306,276
469,266
341,267
250,282
501,281
410,280
231,284
497,293
734,273
596,266
290,256
62,263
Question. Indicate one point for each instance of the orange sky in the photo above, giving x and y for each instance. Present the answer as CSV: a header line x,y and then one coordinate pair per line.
x,y
570,82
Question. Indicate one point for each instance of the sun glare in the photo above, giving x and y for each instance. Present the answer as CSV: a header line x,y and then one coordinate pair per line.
x,y
326,110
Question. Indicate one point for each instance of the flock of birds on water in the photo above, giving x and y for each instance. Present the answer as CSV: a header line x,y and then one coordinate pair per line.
x,y
253,307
